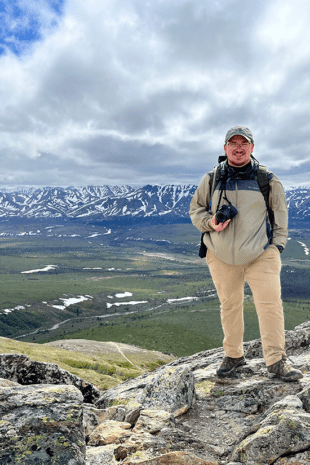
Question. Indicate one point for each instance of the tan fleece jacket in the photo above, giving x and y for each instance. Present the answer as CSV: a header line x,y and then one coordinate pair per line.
x,y
249,232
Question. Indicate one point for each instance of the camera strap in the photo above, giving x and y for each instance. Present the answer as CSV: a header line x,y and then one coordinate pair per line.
x,y
223,189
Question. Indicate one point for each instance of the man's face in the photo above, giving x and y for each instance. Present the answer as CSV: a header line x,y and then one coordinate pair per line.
x,y
238,155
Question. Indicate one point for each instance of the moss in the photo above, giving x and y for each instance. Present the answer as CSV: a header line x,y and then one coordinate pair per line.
x,y
62,442
205,386
22,447
291,423
70,416
218,393
263,431
138,454
48,420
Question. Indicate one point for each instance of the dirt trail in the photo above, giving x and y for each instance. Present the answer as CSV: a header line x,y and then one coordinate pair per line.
x,y
122,353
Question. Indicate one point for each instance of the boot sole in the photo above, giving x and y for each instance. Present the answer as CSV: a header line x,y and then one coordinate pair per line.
x,y
283,378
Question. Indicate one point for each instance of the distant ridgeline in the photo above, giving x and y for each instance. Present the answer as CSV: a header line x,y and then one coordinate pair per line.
x,y
122,204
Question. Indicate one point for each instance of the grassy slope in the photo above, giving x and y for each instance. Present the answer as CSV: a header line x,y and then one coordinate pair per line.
x,y
104,371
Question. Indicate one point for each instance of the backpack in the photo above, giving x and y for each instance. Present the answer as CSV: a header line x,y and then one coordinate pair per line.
x,y
263,182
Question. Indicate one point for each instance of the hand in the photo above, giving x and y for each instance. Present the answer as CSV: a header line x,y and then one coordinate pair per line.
x,y
218,227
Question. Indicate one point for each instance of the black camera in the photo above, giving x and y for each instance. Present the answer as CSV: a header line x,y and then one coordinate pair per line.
x,y
225,213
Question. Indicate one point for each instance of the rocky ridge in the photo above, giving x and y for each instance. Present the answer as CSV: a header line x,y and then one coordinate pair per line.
x,y
179,414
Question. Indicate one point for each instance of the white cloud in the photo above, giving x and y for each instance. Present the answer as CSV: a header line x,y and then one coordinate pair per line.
x,y
144,92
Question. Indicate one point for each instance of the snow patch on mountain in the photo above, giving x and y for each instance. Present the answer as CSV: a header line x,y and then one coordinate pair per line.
x,y
166,202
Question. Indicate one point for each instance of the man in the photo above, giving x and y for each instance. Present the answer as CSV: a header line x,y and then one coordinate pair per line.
x,y
245,246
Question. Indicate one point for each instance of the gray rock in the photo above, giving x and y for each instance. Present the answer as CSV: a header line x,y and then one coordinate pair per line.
x,y
90,419
242,403
132,412
287,403
19,368
299,459
100,455
109,432
129,391
304,396
92,416
286,429
7,383
41,424
153,421
168,388
173,391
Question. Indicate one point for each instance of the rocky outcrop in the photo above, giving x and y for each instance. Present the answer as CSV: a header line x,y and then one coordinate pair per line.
x,y
41,424
179,414
19,368
169,388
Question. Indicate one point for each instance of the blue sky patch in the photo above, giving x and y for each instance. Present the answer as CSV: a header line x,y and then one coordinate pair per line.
x,y
22,23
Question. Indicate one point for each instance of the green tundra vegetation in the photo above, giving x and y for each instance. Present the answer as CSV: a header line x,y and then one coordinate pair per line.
x,y
156,265
104,370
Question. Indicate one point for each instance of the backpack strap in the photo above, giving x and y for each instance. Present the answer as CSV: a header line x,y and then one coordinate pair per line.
x,y
263,182
215,176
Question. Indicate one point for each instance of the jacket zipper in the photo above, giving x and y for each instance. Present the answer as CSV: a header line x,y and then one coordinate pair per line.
x,y
234,233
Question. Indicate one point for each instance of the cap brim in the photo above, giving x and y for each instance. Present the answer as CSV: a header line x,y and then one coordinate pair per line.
x,y
238,134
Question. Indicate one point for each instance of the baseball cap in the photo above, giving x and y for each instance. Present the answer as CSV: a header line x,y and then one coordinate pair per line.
x,y
239,131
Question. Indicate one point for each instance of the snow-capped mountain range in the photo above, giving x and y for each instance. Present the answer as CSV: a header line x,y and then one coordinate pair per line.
x,y
105,203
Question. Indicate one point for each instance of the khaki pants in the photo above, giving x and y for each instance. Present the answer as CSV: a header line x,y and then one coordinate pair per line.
x,y
263,277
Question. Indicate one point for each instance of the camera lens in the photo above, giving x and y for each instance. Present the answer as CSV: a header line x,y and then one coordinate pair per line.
x,y
221,217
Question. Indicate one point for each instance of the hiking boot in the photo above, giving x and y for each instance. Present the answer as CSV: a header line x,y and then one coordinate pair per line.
x,y
286,372
228,365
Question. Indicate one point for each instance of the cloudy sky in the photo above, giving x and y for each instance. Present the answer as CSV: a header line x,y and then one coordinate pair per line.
x,y
143,91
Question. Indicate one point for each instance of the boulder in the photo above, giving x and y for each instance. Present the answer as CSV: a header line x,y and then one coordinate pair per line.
x,y
141,444
130,390
168,388
172,390
41,424
19,368
109,432
284,429
153,421
100,455
92,416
